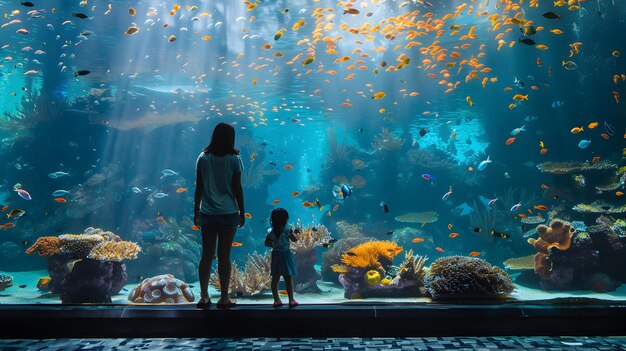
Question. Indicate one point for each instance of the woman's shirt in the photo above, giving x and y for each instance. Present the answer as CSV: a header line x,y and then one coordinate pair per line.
x,y
279,243
216,172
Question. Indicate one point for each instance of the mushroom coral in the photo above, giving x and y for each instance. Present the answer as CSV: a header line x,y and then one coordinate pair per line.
x,y
369,254
557,235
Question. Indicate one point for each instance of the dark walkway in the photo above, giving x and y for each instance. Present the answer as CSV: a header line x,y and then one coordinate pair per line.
x,y
369,344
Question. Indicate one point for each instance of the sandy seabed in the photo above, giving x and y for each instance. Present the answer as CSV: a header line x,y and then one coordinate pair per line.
x,y
331,293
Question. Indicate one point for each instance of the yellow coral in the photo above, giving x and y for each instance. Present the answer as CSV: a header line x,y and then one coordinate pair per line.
x,y
43,284
46,246
372,277
385,281
115,251
368,254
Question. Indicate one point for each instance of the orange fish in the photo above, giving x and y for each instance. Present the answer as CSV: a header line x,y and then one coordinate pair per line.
x,y
449,226
543,151
181,190
294,194
282,292
195,227
247,215
453,235
595,159
60,200
275,202
336,207
616,96
619,193
521,215
288,166
605,136
162,219
7,225
346,104
543,186
417,240
308,204
252,156
541,207
510,141
474,253
471,169
439,249
4,208
237,244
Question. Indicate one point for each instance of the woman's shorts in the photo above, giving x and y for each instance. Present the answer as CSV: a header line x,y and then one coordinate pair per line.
x,y
211,222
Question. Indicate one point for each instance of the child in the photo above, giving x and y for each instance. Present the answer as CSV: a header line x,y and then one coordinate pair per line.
x,y
283,262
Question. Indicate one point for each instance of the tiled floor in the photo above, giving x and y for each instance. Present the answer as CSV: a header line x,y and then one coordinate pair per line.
x,y
366,344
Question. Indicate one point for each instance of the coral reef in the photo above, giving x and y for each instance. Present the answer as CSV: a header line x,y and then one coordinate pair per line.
x,y
558,235
43,283
572,167
161,289
412,268
345,230
333,256
309,238
89,281
422,218
115,251
460,276
35,107
45,246
386,141
5,281
599,207
533,220
252,280
376,255
431,158
372,277
255,174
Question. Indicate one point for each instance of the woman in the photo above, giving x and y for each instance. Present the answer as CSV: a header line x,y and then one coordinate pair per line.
x,y
218,208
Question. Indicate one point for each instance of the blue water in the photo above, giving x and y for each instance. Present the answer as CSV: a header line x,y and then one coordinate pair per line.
x,y
149,104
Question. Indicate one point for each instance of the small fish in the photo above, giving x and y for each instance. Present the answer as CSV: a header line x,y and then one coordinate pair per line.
x,y
483,164
135,190
608,128
7,225
350,253
469,101
474,253
427,176
131,30
440,250
593,125
171,38
569,65
584,143
308,204
516,207
619,193
288,167
577,130
80,15
71,263
453,235
181,190
510,141
492,202
247,215
15,213
160,195
551,15
81,73
417,240
282,292
449,226
60,200
518,130
526,41
195,227
520,97
446,196
423,132
390,232
294,194
477,230
27,4
351,11
541,207
237,244
59,174
499,234
4,208
384,206
544,186
22,286
23,194
275,202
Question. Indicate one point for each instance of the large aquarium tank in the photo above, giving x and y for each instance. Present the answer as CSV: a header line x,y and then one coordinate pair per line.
x,y
427,149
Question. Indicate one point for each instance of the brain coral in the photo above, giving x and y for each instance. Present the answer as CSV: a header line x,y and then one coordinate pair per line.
x,y
161,289
466,276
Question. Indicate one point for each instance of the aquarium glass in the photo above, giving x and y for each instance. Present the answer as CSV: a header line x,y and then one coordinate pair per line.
x,y
425,150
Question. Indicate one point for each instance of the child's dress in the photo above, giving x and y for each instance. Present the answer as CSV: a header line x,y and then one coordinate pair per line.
x,y
283,262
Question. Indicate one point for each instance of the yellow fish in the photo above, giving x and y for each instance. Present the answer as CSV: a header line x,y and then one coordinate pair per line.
x,y
576,130
520,97
379,95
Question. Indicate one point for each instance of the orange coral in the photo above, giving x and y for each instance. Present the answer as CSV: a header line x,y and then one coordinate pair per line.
x,y
115,251
557,235
46,246
368,254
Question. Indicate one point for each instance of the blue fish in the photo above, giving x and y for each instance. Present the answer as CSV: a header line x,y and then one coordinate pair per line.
x,y
160,195
584,143
58,193
483,164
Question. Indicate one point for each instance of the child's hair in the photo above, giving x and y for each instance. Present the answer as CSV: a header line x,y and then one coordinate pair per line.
x,y
278,219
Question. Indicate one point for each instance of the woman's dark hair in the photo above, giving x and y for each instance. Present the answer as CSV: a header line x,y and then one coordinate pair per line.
x,y
222,141
279,218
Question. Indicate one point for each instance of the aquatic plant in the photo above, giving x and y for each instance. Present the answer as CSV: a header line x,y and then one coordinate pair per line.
x,y
430,158
338,153
572,167
461,276
412,268
6,281
35,107
161,289
387,141
514,195
369,255
252,280
484,218
255,174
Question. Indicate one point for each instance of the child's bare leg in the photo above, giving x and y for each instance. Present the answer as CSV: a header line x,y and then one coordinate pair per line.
x,y
275,280
289,286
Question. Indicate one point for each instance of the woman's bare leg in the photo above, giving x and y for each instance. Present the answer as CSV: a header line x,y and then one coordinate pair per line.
x,y
225,238
209,242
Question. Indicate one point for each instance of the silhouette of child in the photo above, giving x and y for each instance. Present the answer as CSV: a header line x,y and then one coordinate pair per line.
x,y
283,262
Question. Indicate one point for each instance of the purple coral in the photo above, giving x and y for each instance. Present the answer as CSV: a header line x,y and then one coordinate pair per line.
x,y
162,288
456,276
